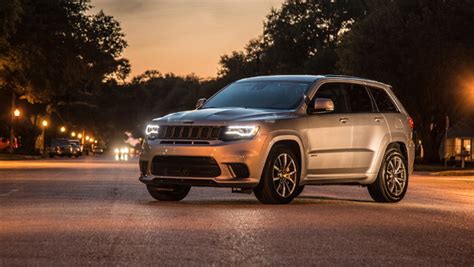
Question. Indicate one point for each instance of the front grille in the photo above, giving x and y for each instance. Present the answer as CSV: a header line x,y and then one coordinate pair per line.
x,y
189,132
175,142
185,166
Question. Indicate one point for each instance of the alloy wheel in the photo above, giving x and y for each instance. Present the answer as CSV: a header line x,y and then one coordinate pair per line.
x,y
395,176
284,175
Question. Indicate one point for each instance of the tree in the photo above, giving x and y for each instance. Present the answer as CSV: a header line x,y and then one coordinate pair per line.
x,y
300,37
420,47
58,54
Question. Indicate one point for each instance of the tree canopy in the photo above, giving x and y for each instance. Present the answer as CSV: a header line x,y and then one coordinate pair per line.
x,y
54,50
422,48
59,54
300,37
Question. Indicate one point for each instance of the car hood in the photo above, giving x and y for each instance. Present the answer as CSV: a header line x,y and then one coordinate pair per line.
x,y
226,114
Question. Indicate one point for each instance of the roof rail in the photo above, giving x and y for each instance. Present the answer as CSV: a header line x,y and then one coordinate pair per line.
x,y
341,76
354,77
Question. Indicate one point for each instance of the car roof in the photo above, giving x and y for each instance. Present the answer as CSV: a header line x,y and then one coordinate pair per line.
x,y
307,78
295,78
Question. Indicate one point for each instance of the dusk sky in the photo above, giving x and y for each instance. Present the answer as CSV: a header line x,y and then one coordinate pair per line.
x,y
185,36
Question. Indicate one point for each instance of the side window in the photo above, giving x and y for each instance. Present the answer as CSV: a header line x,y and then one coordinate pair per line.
x,y
334,92
359,99
383,100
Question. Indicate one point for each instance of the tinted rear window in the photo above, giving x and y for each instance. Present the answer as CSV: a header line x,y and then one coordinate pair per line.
x,y
383,100
359,99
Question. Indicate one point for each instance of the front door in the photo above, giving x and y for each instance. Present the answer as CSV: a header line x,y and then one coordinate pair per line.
x,y
330,135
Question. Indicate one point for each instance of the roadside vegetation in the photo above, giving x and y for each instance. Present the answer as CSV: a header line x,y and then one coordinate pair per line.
x,y
65,63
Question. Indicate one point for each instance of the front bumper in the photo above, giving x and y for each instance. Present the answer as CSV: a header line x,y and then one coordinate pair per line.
x,y
248,152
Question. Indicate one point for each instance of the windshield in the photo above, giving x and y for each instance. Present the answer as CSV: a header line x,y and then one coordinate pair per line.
x,y
260,94
60,142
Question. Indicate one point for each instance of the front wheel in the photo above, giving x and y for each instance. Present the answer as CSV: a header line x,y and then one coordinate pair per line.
x,y
168,192
280,179
392,181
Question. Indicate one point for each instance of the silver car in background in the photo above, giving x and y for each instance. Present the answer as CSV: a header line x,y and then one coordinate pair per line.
x,y
273,135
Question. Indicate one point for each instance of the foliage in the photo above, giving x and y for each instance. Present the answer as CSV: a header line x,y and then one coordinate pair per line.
x,y
420,47
56,51
300,37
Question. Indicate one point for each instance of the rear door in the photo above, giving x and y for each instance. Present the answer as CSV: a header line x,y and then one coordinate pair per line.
x,y
369,127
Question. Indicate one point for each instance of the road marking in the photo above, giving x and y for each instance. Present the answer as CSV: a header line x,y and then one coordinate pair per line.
x,y
9,192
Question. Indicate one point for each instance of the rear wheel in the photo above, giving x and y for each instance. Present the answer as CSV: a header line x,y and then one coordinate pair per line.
x,y
168,192
280,179
392,181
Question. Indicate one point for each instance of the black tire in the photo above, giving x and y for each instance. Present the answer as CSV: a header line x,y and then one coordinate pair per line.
x,y
267,191
380,190
299,190
168,192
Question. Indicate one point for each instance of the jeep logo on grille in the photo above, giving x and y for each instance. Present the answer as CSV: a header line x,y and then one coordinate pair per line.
x,y
188,122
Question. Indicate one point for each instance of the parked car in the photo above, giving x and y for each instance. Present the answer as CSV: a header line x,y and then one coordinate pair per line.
x,y
274,135
4,143
76,147
97,149
60,147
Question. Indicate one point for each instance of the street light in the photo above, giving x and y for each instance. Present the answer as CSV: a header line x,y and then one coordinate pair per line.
x,y
73,134
87,138
79,136
63,129
16,114
45,124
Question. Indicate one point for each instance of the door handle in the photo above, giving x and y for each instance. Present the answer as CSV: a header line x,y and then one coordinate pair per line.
x,y
343,120
378,119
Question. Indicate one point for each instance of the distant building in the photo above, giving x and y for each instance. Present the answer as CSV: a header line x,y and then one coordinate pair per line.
x,y
460,140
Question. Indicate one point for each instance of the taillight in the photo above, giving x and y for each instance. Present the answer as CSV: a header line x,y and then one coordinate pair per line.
x,y
411,122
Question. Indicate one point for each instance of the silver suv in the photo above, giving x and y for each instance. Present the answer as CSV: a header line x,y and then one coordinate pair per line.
x,y
273,135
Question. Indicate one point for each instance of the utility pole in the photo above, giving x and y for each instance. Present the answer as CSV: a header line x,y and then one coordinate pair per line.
x,y
12,133
446,143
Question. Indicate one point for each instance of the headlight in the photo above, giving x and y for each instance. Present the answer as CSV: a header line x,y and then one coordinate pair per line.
x,y
152,131
240,132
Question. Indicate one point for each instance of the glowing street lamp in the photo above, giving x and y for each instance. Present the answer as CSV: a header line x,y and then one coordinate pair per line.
x,y
87,138
73,134
16,114
45,124
95,141
62,129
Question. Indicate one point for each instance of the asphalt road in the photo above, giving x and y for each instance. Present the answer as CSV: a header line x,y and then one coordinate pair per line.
x,y
94,211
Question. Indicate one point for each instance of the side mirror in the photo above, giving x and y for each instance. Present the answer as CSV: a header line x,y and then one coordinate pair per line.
x,y
200,102
323,105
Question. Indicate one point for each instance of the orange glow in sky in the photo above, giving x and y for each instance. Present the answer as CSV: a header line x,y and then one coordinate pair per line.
x,y
185,36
